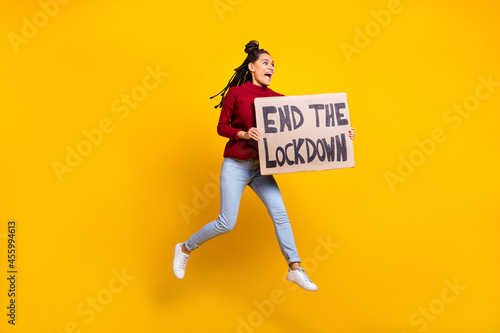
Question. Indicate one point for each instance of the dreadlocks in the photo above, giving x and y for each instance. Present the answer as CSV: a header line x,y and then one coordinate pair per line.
x,y
242,74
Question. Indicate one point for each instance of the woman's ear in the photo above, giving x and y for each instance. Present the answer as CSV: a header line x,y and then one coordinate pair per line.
x,y
251,67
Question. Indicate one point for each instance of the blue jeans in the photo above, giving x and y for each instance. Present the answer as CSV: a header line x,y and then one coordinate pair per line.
x,y
235,176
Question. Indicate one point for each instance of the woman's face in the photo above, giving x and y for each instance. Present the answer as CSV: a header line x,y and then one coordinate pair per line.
x,y
262,70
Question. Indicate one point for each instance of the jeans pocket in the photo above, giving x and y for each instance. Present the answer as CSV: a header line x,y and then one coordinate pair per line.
x,y
234,168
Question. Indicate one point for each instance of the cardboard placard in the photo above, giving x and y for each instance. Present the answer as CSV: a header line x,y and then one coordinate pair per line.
x,y
304,133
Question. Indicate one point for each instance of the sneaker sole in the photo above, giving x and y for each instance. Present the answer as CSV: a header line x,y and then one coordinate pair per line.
x,y
177,275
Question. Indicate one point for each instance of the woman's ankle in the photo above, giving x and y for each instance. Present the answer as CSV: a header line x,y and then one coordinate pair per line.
x,y
186,251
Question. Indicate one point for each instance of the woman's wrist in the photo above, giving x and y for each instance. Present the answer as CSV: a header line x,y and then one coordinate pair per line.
x,y
241,134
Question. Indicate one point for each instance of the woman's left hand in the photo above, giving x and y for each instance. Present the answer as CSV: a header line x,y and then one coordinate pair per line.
x,y
351,133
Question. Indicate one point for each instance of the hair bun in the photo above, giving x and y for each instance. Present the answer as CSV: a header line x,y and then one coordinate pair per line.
x,y
252,46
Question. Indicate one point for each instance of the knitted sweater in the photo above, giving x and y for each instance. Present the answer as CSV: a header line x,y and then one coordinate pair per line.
x,y
238,114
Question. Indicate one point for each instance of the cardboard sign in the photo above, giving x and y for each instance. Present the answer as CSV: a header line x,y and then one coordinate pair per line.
x,y
303,133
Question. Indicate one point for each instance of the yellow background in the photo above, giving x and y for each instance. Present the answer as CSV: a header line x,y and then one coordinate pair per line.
x,y
393,247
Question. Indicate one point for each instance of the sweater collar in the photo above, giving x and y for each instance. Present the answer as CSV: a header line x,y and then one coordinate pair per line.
x,y
255,88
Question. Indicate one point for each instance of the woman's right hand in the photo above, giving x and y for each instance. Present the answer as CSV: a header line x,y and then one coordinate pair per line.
x,y
252,133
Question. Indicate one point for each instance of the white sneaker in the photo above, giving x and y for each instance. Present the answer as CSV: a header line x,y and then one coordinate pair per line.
x,y
299,277
180,260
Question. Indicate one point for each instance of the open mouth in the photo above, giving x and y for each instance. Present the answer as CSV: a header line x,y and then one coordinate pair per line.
x,y
269,75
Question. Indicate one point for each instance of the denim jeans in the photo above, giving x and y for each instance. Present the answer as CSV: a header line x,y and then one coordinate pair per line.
x,y
235,176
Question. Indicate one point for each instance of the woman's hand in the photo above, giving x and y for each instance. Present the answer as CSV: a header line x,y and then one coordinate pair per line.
x,y
252,133
351,133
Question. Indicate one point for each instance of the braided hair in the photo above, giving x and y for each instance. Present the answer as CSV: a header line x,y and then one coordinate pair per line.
x,y
242,74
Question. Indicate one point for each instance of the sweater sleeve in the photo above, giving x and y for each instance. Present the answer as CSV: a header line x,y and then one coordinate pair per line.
x,y
224,127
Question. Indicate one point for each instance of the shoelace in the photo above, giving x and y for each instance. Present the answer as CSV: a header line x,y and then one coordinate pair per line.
x,y
303,272
183,262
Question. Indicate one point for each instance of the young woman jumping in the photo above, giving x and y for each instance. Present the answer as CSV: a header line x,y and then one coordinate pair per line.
x,y
241,167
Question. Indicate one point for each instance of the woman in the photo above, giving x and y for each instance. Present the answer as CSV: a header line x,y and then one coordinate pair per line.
x,y
241,165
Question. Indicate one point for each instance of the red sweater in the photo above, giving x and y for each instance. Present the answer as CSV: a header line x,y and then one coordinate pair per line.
x,y
238,114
